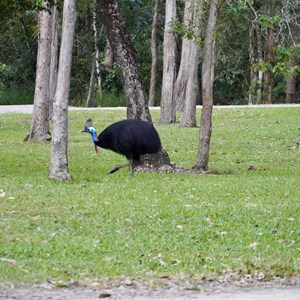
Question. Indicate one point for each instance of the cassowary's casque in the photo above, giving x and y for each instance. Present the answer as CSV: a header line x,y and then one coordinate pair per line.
x,y
131,138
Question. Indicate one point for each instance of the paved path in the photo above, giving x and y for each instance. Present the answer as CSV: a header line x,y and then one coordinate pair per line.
x,y
44,292
27,109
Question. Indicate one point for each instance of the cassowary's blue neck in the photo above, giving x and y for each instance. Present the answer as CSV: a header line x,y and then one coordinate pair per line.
x,y
94,135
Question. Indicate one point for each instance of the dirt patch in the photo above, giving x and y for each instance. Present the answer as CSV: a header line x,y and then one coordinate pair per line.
x,y
171,168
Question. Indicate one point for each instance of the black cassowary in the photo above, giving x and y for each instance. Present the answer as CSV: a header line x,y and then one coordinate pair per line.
x,y
131,138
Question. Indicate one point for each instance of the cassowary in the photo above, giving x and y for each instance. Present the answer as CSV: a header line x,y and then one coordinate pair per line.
x,y
131,138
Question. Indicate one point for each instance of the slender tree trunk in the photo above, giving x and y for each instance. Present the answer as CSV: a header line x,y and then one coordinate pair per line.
x,y
268,78
109,56
187,85
39,130
97,54
54,58
24,31
123,52
291,82
183,72
253,73
192,89
207,89
153,79
270,55
260,60
90,101
168,106
59,150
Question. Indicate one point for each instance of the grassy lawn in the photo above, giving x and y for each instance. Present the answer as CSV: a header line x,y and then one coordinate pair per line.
x,y
98,225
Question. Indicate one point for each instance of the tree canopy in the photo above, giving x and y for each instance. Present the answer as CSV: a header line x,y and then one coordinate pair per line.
x,y
257,53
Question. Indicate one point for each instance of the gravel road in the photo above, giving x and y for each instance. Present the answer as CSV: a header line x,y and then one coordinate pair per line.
x,y
27,109
170,291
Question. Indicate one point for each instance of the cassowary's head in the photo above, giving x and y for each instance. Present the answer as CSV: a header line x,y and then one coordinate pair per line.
x,y
88,127
90,130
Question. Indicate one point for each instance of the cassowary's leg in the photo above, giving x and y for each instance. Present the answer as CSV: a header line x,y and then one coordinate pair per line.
x,y
130,161
117,167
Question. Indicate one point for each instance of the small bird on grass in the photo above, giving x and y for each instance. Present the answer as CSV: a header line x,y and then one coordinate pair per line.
x,y
131,138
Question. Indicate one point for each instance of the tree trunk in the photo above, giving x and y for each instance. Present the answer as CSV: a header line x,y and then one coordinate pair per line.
x,y
192,89
253,73
260,60
183,72
270,55
268,78
291,96
90,101
59,150
39,130
187,86
207,89
153,79
168,109
97,54
109,56
123,52
54,58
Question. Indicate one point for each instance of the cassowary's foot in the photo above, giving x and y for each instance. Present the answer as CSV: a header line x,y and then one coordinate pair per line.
x,y
117,167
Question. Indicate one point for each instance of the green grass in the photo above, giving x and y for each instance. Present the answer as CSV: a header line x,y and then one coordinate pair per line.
x,y
98,225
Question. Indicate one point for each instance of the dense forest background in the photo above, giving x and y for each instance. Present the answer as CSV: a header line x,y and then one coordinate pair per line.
x,y
257,50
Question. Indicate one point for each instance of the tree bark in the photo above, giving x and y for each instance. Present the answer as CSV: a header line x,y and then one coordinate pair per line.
x,y
153,79
187,86
268,78
54,58
97,54
39,130
253,73
192,89
207,89
59,150
291,96
168,109
109,56
183,72
260,60
90,101
123,52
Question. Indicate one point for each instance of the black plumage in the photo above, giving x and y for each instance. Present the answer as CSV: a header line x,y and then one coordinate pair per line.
x,y
131,138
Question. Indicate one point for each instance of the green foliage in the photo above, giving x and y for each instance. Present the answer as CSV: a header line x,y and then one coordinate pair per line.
x,y
98,225
269,22
18,39
12,96
111,100
182,30
234,7
281,64
112,84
